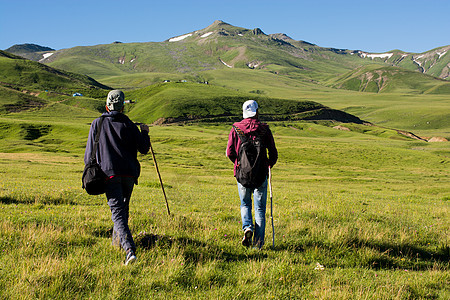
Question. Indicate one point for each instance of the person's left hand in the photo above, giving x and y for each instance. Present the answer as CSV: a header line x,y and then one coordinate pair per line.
x,y
144,127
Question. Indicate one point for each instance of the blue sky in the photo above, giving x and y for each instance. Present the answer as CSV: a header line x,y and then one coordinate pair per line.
x,y
373,26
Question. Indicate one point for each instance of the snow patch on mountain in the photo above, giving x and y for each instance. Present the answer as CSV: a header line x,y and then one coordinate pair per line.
x,y
180,38
207,34
373,56
441,53
225,63
46,55
415,59
254,65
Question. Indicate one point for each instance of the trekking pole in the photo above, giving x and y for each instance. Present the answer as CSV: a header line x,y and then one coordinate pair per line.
x,y
159,176
157,172
271,208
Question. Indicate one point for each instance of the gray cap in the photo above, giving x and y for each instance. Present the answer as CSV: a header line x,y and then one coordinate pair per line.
x,y
115,100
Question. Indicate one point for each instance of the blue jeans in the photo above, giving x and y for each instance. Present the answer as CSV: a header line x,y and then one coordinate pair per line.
x,y
118,193
260,199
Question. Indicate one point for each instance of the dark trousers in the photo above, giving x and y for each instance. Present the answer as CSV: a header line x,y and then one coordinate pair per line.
x,y
118,193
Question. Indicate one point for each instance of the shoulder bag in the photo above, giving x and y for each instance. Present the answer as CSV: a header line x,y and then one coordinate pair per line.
x,y
94,179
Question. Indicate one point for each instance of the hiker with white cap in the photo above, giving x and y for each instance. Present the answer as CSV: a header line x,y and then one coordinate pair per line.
x,y
118,144
249,142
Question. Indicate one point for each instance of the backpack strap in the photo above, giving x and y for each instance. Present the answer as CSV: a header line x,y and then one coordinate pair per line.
x,y
242,136
97,137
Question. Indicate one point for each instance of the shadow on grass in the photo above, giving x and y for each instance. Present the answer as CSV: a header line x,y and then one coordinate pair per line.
x,y
194,250
9,200
33,200
103,232
387,255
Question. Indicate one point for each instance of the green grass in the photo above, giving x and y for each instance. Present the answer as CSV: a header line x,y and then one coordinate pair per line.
x,y
372,210
13,101
141,80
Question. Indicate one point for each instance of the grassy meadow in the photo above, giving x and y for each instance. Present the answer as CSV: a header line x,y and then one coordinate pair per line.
x,y
356,216
360,214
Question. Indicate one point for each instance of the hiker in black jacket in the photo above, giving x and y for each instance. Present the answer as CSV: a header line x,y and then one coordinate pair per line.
x,y
119,142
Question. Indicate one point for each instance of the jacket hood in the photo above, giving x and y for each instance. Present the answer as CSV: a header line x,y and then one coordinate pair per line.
x,y
249,125
111,113
115,115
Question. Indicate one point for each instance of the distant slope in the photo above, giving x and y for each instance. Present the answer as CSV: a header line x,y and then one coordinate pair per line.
x,y
19,73
27,85
12,101
435,62
383,79
181,102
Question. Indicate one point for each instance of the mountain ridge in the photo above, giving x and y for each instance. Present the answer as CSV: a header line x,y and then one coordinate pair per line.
x,y
28,48
222,45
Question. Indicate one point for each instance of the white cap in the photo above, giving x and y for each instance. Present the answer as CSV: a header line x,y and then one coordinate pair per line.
x,y
249,109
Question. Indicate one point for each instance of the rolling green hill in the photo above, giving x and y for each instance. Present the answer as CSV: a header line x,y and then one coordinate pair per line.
x,y
14,101
19,73
383,79
181,102
28,85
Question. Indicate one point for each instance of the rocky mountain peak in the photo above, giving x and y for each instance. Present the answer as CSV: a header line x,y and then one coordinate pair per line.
x,y
28,48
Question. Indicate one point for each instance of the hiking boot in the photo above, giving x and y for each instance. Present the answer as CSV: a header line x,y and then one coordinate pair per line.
x,y
247,239
131,257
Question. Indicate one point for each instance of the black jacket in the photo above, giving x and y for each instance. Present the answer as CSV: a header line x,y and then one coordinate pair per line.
x,y
119,142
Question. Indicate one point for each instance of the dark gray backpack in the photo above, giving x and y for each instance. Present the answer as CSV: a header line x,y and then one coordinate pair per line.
x,y
250,171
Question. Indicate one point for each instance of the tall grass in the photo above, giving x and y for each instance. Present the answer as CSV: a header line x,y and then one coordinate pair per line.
x,y
356,216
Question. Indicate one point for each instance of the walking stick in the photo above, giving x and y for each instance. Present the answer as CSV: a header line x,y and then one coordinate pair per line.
x,y
271,208
157,172
159,176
